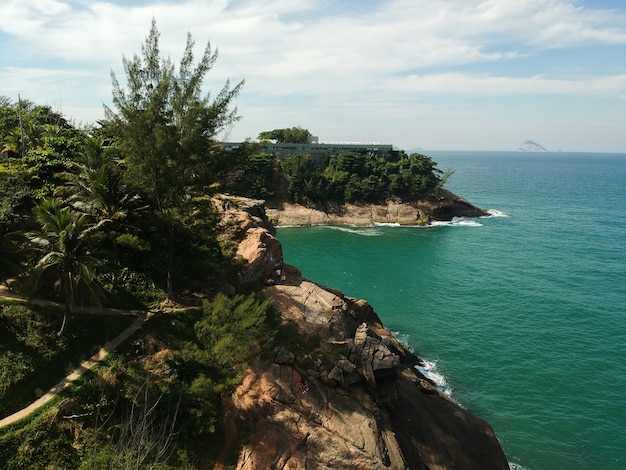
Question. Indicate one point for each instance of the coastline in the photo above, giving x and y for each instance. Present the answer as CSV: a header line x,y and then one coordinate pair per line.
x,y
368,405
420,212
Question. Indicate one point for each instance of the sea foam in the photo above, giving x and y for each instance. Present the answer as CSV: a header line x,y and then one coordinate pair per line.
x,y
516,466
430,371
428,368
386,224
456,222
364,232
496,213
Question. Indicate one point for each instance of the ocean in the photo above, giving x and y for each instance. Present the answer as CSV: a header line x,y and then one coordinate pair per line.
x,y
520,316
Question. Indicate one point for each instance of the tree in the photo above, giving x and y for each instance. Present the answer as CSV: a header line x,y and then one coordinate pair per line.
x,y
231,331
67,260
97,188
40,141
292,135
166,129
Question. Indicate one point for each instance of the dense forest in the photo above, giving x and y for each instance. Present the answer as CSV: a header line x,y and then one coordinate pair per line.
x,y
346,177
119,214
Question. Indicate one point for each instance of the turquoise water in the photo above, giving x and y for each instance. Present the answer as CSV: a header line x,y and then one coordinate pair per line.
x,y
522,315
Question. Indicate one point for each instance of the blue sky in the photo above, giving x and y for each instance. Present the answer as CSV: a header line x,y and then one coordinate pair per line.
x,y
444,74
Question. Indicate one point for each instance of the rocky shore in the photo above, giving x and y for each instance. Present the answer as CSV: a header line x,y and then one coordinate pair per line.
x,y
366,406
444,206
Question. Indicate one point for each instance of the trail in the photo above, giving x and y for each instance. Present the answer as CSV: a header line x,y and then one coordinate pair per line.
x,y
85,365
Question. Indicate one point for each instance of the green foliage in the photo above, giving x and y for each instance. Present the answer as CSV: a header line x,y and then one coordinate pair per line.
x,y
39,167
39,145
98,190
165,130
68,259
34,447
12,254
228,331
28,329
9,117
25,343
163,125
226,338
15,194
129,414
355,177
444,178
32,356
291,135
14,367
254,177
139,286
304,178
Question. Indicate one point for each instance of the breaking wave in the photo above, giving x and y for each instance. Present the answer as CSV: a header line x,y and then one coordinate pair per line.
x,y
496,213
516,466
457,222
429,370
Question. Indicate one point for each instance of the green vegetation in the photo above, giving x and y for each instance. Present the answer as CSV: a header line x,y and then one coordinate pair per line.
x,y
292,135
120,215
121,210
150,403
346,177
33,357
166,132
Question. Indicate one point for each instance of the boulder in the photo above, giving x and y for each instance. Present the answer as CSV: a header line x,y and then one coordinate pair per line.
x,y
261,252
345,373
282,355
244,221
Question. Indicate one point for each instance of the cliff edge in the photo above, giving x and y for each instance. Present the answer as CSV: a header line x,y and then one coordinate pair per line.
x,y
364,405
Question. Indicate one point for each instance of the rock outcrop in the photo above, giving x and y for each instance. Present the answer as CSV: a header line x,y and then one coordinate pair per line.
x,y
365,405
245,223
443,207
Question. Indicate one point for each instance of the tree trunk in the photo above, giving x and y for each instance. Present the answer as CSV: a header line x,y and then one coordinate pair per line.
x,y
170,263
66,314
68,308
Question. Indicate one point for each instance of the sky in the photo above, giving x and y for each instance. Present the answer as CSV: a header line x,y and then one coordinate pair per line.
x,y
427,74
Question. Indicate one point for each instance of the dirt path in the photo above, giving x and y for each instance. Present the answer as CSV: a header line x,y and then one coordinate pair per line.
x,y
84,367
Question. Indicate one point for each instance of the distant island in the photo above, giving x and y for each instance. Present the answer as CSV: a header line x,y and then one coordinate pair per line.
x,y
530,146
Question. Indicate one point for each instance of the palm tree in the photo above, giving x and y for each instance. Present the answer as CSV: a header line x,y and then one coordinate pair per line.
x,y
99,192
67,260
96,187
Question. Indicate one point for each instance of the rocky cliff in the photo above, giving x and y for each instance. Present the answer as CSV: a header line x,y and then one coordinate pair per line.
x,y
444,206
365,406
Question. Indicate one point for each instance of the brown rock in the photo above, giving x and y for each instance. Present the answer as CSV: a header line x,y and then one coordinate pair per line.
x,y
244,221
421,212
385,415
262,253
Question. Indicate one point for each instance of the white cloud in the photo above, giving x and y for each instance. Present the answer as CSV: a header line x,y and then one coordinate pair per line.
x,y
308,58
477,85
